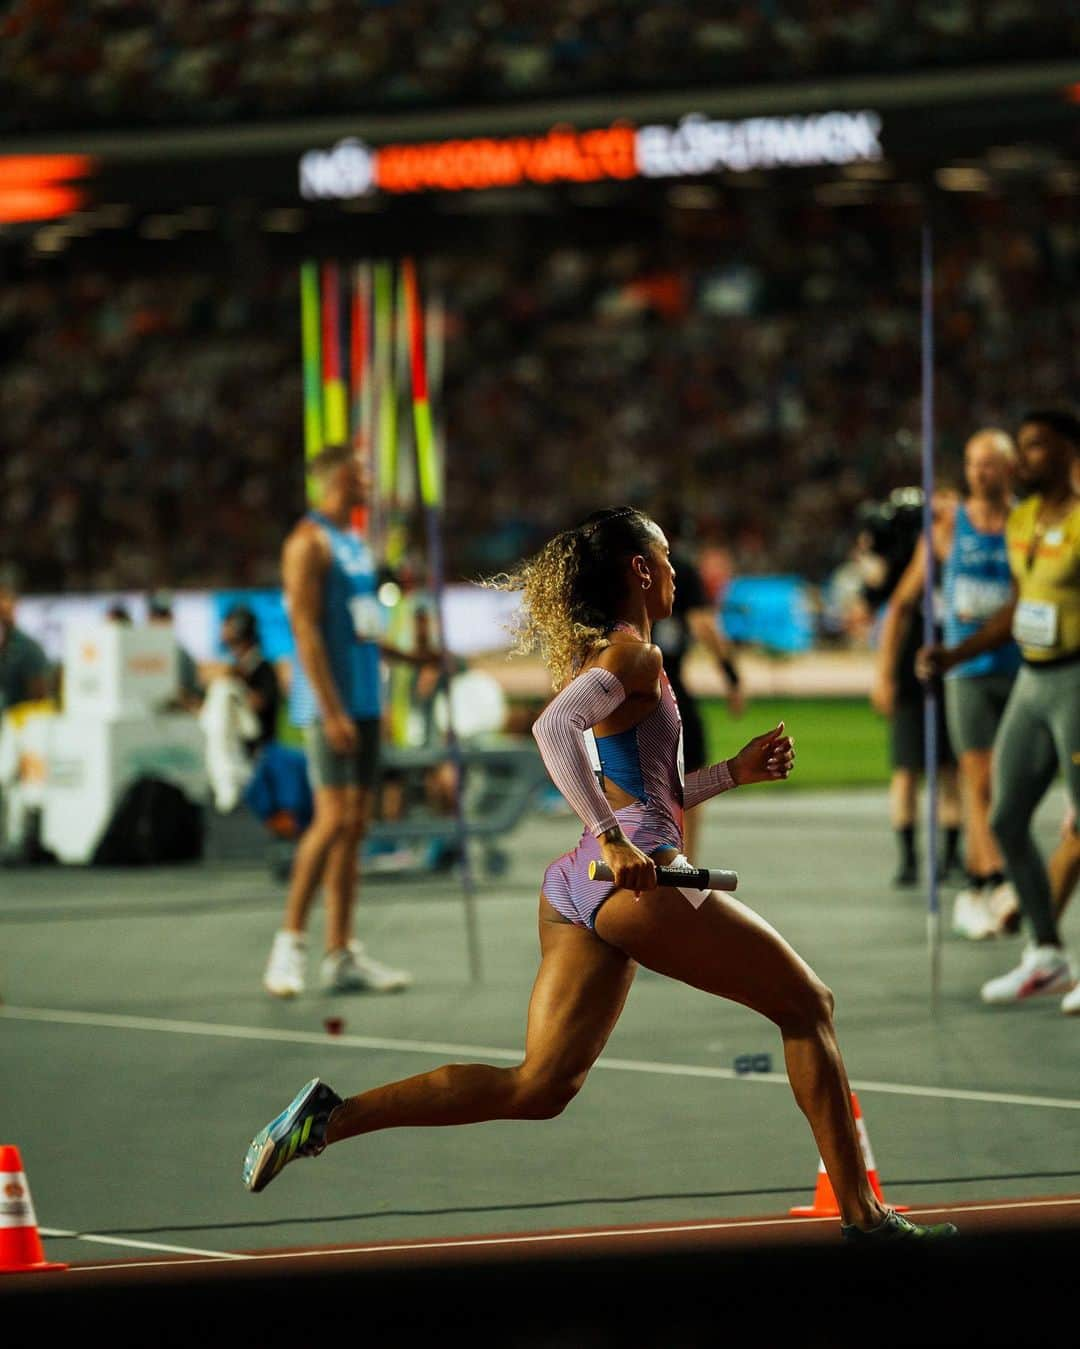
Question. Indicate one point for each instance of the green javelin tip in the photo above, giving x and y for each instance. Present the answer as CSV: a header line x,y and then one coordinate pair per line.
x,y
426,454
310,342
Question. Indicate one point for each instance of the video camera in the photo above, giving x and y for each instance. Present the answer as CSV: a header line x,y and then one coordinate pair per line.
x,y
894,526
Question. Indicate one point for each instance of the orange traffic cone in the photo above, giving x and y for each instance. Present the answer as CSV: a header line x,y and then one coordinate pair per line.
x,y
21,1251
825,1205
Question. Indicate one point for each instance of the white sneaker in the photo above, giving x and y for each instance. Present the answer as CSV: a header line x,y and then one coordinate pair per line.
x,y
971,916
1070,1003
352,970
284,977
1042,969
1004,906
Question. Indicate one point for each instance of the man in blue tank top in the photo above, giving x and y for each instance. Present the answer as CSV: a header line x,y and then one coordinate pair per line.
x,y
330,594
969,549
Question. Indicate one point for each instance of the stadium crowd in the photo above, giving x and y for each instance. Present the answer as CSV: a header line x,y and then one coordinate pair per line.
x,y
132,62
144,419
765,354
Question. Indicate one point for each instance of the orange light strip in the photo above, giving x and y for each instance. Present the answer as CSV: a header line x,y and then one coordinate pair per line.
x,y
562,155
33,187
38,203
37,170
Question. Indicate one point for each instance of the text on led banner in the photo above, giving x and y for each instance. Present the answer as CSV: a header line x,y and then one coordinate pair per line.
x,y
696,145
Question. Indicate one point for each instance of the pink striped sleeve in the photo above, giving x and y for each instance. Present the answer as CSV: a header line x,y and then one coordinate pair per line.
x,y
706,782
559,732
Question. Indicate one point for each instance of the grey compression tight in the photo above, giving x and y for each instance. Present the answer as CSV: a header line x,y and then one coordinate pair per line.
x,y
1039,734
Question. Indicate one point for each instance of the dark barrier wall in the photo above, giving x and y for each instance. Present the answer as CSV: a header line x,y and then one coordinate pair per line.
x,y
1013,1290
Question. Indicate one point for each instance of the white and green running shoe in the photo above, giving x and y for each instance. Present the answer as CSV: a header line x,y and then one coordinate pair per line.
x,y
895,1227
299,1131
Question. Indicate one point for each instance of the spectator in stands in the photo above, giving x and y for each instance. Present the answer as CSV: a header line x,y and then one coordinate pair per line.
x,y
105,63
143,412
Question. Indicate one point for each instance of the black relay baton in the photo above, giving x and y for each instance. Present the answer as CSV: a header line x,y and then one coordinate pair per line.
x,y
685,878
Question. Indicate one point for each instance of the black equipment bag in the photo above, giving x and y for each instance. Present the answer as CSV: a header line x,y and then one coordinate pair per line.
x,y
154,821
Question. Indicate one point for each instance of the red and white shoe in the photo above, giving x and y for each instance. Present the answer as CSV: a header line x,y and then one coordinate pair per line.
x,y
1042,969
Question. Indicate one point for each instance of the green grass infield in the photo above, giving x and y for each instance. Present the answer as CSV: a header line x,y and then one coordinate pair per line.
x,y
839,742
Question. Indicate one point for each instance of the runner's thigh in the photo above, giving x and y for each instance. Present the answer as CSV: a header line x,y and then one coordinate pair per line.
x,y
579,991
723,947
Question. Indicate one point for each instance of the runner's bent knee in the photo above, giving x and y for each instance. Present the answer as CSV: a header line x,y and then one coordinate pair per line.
x,y
808,1007
546,1093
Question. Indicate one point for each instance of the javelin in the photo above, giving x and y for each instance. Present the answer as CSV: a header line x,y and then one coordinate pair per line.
x,y
359,397
930,695
430,472
310,340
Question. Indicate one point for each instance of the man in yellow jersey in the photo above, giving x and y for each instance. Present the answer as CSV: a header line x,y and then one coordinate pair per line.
x,y
1040,730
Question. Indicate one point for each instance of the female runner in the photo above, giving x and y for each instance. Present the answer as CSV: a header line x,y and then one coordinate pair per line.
x,y
611,741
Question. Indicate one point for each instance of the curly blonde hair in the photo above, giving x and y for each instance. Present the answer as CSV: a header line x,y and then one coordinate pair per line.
x,y
571,588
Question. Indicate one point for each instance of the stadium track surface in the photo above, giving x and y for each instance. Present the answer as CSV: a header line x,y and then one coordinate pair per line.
x,y
139,1088
762,1281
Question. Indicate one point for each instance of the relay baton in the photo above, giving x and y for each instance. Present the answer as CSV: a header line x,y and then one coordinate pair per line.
x,y
685,878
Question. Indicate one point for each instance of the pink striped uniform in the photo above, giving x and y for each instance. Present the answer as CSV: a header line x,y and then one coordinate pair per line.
x,y
645,761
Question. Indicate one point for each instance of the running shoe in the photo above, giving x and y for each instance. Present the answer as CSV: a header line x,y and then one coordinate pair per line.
x,y
1042,969
352,970
895,1227
284,975
971,916
299,1131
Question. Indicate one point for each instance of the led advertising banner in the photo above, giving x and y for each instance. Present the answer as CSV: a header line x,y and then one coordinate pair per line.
x,y
696,145
42,187
173,169
478,621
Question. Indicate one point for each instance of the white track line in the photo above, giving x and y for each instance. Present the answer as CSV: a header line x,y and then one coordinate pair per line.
x,y
143,1245
595,1234
109,1021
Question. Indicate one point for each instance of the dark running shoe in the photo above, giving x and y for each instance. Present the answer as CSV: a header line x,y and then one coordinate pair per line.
x,y
299,1131
895,1227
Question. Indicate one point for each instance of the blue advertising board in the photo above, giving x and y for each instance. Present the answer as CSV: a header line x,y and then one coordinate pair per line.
x,y
775,612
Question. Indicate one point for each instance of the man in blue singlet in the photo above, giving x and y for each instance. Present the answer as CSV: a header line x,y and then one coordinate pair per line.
x,y
969,548
330,588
